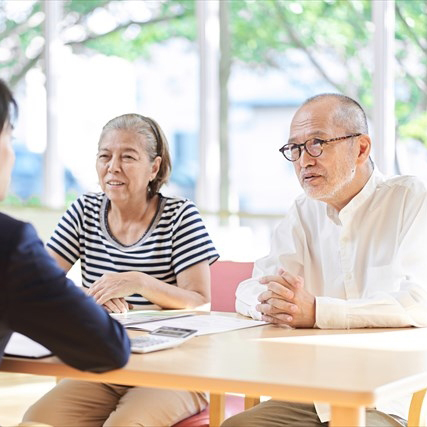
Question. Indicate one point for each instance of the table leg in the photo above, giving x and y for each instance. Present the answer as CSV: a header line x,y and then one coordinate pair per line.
x,y
250,402
347,416
216,409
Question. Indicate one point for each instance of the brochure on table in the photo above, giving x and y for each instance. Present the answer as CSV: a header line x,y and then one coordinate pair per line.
x,y
142,316
205,324
21,346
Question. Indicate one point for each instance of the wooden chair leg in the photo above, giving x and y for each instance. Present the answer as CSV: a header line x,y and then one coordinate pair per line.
x,y
417,416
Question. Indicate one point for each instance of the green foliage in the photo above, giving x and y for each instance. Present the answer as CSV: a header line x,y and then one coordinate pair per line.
x,y
130,39
411,75
416,128
264,28
35,201
334,36
339,32
146,35
170,20
16,33
84,7
14,200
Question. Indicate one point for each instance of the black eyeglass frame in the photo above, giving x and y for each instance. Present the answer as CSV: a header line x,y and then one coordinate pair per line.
x,y
321,142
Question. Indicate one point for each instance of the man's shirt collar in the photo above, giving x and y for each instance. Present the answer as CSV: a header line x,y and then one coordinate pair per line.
x,y
358,200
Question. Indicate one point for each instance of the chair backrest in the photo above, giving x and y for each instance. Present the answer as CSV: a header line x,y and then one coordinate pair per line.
x,y
225,277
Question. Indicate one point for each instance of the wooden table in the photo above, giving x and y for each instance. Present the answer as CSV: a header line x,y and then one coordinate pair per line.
x,y
350,369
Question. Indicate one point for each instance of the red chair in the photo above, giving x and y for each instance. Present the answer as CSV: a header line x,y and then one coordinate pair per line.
x,y
225,277
233,405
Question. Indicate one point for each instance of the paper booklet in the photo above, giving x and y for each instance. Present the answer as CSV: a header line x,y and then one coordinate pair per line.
x,y
21,346
205,324
144,316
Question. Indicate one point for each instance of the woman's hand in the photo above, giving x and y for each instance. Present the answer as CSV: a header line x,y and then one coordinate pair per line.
x,y
117,305
192,290
111,288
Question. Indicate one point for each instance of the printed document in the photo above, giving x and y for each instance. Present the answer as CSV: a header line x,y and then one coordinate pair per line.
x,y
21,346
205,324
131,318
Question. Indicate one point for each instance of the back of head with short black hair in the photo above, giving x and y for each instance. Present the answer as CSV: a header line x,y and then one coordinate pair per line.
x,y
8,106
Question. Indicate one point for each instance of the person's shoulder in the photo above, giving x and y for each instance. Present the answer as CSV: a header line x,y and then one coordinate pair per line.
x,y
91,198
407,183
174,203
88,201
12,230
9,225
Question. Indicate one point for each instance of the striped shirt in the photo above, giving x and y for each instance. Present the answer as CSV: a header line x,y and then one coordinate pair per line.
x,y
175,240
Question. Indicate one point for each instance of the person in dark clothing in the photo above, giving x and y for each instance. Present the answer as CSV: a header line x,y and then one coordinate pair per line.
x,y
37,299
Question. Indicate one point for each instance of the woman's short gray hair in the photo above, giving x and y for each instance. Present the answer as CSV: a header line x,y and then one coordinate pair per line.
x,y
157,144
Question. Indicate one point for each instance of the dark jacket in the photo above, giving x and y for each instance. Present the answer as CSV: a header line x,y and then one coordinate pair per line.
x,y
37,300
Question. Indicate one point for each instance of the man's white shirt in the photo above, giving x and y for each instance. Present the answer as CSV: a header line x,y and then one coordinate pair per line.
x,y
366,264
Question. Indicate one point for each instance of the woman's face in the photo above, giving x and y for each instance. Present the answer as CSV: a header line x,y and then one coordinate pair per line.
x,y
123,166
7,159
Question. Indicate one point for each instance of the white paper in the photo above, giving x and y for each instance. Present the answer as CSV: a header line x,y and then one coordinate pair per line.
x,y
141,316
20,345
205,324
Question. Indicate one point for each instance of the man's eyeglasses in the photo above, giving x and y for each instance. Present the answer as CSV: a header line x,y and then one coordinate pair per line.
x,y
314,147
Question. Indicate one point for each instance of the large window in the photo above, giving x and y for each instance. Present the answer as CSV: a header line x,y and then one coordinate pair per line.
x,y
121,56
111,58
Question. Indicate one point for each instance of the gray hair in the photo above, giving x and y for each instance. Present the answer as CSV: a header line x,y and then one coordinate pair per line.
x,y
350,115
157,144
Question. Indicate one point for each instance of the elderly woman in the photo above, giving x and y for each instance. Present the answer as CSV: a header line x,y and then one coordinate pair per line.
x,y
137,247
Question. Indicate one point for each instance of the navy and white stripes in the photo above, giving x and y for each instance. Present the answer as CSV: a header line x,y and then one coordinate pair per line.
x,y
176,240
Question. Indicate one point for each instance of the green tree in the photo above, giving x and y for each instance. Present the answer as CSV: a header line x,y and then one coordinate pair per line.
x,y
264,34
334,37
131,34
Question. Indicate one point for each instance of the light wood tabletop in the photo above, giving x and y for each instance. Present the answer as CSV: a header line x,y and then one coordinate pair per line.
x,y
350,369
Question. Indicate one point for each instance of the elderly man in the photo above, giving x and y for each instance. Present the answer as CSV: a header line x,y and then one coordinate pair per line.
x,y
349,254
